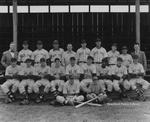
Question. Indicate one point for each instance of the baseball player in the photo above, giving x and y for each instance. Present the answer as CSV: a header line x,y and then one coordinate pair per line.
x,y
120,76
98,53
113,54
39,53
73,69
68,54
137,72
58,72
83,53
27,71
70,92
24,54
127,58
43,71
12,83
95,91
89,70
104,75
56,52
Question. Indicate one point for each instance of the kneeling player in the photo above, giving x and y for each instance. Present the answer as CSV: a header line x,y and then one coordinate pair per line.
x,y
96,91
27,72
11,84
70,92
43,71
104,75
58,72
137,72
120,76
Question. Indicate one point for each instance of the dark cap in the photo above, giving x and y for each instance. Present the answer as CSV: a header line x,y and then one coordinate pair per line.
x,y
55,42
72,59
28,60
39,43
57,59
83,41
90,57
42,60
25,42
124,48
98,40
119,59
13,60
135,56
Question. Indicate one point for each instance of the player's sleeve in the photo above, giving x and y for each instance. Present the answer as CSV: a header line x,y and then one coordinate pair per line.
x,y
67,70
7,71
92,52
46,54
65,88
21,71
130,69
80,70
94,69
105,53
131,59
19,56
3,60
33,55
142,68
78,54
125,71
50,54
63,58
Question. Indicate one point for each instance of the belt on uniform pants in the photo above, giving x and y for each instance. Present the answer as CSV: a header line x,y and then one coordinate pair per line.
x,y
82,62
97,62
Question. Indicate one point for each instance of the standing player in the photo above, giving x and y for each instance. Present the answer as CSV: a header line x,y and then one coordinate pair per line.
x,y
73,69
68,54
137,72
89,70
98,53
70,92
43,71
24,54
83,53
119,75
127,58
11,85
56,52
27,72
113,54
39,53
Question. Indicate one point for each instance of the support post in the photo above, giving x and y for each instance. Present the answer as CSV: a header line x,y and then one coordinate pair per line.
x,y
138,40
15,23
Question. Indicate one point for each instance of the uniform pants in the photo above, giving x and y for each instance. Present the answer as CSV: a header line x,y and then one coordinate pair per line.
x,y
106,84
85,84
26,83
12,82
117,83
141,81
42,82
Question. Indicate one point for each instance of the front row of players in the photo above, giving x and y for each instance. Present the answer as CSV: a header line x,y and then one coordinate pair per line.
x,y
73,84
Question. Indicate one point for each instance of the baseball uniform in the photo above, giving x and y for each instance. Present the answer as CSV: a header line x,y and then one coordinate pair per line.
x,y
127,59
113,56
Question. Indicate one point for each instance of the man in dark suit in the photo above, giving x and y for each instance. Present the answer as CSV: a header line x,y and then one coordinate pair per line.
x,y
8,55
141,55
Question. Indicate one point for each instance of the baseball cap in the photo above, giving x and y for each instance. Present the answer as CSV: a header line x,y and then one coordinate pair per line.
x,y
55,42
124,48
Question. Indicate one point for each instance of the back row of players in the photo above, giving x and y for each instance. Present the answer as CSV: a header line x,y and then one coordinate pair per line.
x,y
105,74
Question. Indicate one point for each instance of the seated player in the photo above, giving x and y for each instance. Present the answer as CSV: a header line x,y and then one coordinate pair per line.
x,y
70,92
73,69
43,71
11,85
104,75
27,73
96,91
89,70
120,76
136,72
58,72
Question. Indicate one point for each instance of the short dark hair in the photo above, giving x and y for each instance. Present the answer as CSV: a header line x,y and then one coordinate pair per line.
x,y
72,59
90,57
57,59
119,59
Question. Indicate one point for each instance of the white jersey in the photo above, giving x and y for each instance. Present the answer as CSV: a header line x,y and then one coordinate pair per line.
x,y
27,70
103,71
98,54
82,54
24,54
66,57
42,71
10,71
119,71
89,70
127,59
56,54
113,57
60,71
73,69
38,54
136,68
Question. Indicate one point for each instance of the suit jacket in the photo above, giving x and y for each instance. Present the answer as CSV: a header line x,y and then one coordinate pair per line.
x,y
142,59
6,58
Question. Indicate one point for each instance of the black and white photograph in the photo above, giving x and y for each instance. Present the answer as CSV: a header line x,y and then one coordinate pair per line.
x,y
74,60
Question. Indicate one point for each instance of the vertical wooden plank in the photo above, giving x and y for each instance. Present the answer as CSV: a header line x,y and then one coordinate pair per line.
x,y
138,21
15,22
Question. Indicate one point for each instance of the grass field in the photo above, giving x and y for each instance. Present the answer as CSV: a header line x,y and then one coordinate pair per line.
x,y
126,112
